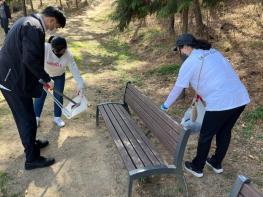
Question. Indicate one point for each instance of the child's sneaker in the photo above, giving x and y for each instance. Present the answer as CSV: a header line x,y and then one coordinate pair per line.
x,y
216,168
59,122
189,167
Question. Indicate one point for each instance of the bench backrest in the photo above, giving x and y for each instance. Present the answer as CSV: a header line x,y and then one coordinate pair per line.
x,y
168,131
243,188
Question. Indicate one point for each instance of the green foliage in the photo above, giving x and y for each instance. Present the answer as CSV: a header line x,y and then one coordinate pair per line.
x,y
127,10
211,3
169,8
184,4
251,118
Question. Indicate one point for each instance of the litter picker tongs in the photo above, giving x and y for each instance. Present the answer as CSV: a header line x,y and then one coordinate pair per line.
x,y
66,112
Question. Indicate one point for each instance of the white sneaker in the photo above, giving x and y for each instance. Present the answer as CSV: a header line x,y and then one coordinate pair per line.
x,y
38,121
59,122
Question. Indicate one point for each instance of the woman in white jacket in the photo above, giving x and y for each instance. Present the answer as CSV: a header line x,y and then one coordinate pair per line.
x,y
57,59
212,77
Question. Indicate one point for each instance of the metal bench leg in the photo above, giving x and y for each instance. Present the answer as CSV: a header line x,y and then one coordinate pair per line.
x,y
126,107
240,181
97,116
130,187
182,183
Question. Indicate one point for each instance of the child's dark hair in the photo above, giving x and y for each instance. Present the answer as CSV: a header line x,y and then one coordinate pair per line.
x,y
58,43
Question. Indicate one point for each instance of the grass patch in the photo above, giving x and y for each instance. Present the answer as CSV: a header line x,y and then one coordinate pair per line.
x,y
256,44
170,191
3,182
250,119
151,35
135,79
170,69
104,52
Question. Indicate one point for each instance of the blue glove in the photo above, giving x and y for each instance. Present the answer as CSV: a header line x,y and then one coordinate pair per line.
x,y
163,107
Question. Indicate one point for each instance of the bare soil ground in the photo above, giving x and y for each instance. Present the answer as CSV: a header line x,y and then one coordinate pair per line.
x,y
87,162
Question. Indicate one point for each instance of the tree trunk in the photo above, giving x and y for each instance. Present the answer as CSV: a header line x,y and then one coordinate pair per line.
x,y
135,34
60,2
41,3
198,17
24,7
77,4
185,20
31,4
171,25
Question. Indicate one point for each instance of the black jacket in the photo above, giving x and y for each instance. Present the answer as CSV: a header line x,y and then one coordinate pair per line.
x,y
22,57
7,10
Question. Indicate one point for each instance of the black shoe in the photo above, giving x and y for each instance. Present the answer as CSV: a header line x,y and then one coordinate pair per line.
x,y
216,168
41,162
41,143
189,167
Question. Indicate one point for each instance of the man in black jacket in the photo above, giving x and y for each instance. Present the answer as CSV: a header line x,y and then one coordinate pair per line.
x,y
21,68
5,15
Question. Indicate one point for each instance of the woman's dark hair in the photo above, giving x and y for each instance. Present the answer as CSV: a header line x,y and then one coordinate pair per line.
x,y
55,12
201,44
189,40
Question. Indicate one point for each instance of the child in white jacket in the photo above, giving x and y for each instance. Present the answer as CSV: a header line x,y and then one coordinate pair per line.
x,y
57,58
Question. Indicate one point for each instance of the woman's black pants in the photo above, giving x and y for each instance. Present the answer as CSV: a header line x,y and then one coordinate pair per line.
x,y
219,124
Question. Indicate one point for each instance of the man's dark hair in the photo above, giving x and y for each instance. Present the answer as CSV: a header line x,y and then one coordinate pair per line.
x,y
55,12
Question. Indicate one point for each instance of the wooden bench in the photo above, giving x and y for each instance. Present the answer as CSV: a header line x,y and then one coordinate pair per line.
x,y
243,188
140,156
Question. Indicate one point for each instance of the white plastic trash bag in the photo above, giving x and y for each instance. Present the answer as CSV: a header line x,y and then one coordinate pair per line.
x,y
188,122
71,111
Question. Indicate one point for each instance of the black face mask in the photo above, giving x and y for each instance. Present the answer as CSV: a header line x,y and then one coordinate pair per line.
x,y
58,55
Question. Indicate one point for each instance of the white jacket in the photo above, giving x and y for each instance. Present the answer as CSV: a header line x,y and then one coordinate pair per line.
x,y
55,66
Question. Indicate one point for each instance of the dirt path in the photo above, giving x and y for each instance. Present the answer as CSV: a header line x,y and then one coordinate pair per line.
x,y
85,157
87,162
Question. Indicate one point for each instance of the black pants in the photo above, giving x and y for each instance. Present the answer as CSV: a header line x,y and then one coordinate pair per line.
x,y
219,123
4,24
24,115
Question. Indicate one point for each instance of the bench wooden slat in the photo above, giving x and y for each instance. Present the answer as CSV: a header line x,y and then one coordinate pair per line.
x,y
135,148
126,142
123,152
248,190
167,141
169,126
157,115
166,118
153,155
126,131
